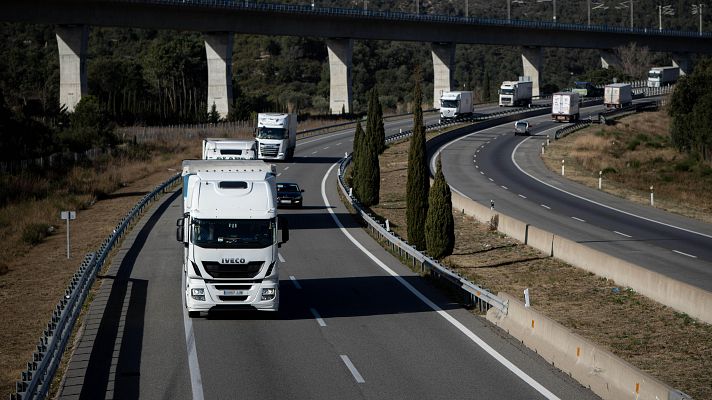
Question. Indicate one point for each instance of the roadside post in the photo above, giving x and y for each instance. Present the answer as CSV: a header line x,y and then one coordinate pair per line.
x,y
68,215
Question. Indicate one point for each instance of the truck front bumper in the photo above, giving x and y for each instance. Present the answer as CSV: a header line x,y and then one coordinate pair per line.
x,y
204,296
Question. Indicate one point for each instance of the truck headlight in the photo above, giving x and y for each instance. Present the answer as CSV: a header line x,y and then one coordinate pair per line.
x,y
268,293
198,294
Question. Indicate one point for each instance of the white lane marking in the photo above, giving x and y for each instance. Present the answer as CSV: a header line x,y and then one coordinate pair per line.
x,y
504,187
295,282
317,317
578,219
491,180
281,258
622,234
545,206
286,168
338,144
522,196
279,174
477,166
326,148
601,204
314,152
352,368
482,172
457,324
196,381
684,254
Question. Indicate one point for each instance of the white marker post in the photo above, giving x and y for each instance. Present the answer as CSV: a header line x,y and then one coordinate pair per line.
x,y
526,297
652,201
562,168
388,226
600,177
542,148
68,215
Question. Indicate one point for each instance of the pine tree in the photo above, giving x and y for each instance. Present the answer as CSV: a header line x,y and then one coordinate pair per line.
x,y
439,225
418,180
213,115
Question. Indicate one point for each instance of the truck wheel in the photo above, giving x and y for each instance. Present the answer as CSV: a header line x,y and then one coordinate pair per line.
x,y
193,314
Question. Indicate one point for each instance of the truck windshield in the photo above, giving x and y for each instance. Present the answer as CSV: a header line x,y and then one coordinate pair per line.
x,y
654,75
506,91
448,103
272,133
234,233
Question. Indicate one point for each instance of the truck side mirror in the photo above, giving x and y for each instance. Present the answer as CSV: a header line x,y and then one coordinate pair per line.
x,y
284,227
180,233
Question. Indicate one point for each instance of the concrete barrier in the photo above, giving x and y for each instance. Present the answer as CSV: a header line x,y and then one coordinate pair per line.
x,y
681,296
540,240
602,371
470,207
512,227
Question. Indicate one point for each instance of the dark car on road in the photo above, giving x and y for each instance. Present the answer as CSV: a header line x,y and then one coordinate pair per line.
x,y
289,194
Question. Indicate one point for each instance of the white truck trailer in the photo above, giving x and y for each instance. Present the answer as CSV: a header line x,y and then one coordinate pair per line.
x,y
565,106
515,93
229,149
229,231
663,76
455,105
276,136
617,95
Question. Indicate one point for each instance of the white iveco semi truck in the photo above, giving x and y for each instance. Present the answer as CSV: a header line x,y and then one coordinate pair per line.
x,y
229,231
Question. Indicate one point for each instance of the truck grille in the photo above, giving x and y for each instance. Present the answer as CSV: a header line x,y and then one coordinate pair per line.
x,y
248,270
269,150
232,298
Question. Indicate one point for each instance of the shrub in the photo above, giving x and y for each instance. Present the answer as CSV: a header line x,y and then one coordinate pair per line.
x,y
34,233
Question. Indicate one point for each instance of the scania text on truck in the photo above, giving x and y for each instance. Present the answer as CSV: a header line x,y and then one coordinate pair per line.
x,y
229,149
229,232
455,105
662,76
617,95
565,106
276,136
515,93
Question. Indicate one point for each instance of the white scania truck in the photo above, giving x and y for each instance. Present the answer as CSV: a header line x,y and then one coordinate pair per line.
x,y
229,231
515,93
455,105
276,136
229,149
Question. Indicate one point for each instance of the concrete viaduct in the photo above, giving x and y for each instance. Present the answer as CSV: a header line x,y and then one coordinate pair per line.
x,y
220,19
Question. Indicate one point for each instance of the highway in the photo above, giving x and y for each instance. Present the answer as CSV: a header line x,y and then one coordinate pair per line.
x,y
493,164
353,323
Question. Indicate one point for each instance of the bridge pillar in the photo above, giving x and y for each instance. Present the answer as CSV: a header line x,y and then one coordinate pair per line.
x,y
683,62
340,63
72,44
443,69
610,59
218,49
532,62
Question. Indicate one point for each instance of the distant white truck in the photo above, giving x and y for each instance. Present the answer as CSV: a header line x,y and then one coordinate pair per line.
x,y
617,95
663,76
229,231
455,105
229,149
565,106
515,93
276,136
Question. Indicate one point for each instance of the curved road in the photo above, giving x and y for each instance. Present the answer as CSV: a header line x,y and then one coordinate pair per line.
x,y
493,164
354,323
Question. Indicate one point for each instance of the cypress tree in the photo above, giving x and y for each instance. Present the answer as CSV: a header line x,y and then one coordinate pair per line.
x,y
440,225
370,177
357,167
418,179
380,129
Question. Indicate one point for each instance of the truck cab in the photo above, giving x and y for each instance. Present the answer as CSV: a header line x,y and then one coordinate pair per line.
x,y
276,136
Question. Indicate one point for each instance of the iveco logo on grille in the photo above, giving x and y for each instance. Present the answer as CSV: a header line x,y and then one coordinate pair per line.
x,y
230,260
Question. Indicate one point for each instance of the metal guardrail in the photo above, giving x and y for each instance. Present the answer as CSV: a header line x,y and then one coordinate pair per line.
x,y
403,16
35,382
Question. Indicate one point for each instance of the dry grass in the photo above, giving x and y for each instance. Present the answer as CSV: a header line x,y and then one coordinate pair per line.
x,y
634,154
667,344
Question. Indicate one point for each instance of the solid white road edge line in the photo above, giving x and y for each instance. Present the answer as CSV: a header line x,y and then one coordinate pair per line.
x,y
196,381
478,341
352,368
597,203
317,317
